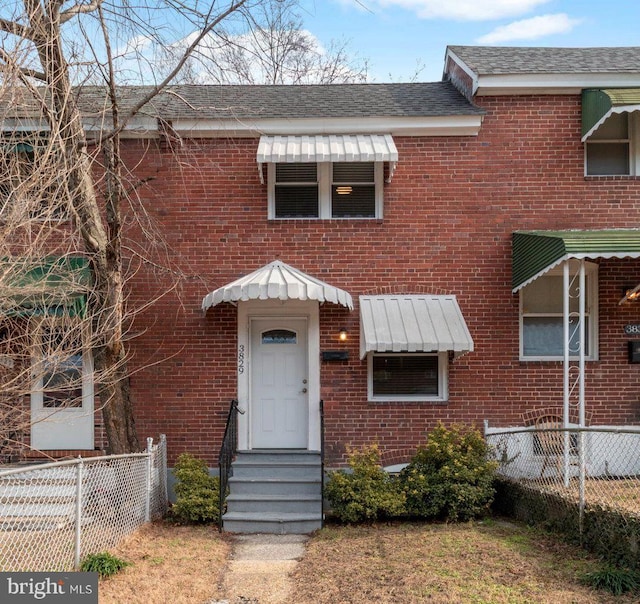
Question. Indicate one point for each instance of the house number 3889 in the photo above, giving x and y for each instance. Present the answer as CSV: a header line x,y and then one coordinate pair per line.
x,y
241,358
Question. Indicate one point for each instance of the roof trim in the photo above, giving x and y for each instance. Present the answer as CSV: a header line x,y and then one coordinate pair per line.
x,y
454,125
413,323
277,281
535,253
556,83
331,148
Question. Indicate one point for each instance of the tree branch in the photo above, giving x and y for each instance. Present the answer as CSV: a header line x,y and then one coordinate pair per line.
x,y
155,90
11,27
79,9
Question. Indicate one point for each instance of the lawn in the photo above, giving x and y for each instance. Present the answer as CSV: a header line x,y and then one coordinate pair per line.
x,y
482,562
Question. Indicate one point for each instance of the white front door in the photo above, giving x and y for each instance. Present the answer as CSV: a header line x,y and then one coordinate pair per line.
x,y
279,404
62,417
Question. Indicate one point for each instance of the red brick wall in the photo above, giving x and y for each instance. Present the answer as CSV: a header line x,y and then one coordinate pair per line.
x,y
448,218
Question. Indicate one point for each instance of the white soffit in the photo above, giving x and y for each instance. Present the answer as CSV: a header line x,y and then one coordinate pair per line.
x,y
552,83
328,148
412,323
277,281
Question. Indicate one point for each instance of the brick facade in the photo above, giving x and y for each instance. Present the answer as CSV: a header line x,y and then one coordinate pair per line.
x,y
449,213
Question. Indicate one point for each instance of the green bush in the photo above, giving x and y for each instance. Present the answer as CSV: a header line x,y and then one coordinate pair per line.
x,y
618,581
197,493
367,493
103,563
450,477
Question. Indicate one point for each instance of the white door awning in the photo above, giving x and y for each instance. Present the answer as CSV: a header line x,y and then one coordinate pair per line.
x,y
327,148
277,281
416,323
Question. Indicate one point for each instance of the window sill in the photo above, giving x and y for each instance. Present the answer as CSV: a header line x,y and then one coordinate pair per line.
x,y
554,359
610,177
406,400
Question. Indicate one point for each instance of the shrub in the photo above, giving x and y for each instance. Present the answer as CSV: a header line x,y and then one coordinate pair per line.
x,y
450,477
197,493
615,580
367,493
103,563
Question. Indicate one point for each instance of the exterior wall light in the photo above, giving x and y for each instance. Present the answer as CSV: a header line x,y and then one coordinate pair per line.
x,y
631,294
343,334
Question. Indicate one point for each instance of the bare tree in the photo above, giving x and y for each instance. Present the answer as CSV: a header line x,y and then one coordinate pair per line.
x,y
64,194
271,47
55,205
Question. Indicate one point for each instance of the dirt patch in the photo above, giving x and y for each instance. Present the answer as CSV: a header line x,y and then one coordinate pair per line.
x,y
169,564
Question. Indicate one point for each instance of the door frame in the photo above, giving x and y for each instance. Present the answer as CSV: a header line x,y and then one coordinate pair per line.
x,y
271,309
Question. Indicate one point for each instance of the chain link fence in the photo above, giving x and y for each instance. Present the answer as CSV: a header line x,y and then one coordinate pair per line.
x,y
582,481
53,515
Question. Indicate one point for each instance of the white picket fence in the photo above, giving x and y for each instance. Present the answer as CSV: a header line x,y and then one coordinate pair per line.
x,y
53,515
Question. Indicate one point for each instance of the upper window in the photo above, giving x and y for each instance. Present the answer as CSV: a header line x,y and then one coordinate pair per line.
x,y
325,190
541,316
408,377
29,179
609,151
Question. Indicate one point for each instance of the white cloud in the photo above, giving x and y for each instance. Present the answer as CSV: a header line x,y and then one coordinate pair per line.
x,y
465,10
531,29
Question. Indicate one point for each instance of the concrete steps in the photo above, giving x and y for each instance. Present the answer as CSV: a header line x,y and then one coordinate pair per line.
x,y
45,497
274,492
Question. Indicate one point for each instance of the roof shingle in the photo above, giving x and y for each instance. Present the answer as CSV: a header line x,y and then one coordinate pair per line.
x,y
492,60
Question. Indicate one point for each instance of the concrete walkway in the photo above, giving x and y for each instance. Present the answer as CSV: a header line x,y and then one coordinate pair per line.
x,y
259,569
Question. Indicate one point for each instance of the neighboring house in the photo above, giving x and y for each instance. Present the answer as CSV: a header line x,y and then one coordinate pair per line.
x,y
397,251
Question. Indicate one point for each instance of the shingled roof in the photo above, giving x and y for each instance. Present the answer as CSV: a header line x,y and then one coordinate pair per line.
x,y
489,60
290,102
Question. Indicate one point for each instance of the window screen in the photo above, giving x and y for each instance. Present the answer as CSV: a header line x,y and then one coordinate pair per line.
x,y
405,375
296,190
353,191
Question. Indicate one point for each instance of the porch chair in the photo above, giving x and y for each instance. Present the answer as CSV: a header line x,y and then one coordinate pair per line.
x,y
551,442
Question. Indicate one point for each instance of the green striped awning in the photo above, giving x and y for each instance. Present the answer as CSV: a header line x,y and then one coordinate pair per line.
x,y
47,286
536,252
598,105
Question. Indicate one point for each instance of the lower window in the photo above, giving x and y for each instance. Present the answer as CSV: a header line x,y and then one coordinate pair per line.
x,y
408,377
60,369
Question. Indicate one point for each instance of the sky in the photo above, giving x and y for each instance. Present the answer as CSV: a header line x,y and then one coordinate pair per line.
x,y
404,38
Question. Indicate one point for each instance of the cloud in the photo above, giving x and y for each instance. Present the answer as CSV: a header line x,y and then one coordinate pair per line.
x,y
531,29
465,10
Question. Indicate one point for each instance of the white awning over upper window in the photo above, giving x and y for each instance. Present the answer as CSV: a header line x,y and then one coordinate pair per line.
x,y
277,281
415,323
328,148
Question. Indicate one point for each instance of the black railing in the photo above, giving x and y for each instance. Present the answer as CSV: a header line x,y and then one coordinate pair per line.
x,y
227,453
322,458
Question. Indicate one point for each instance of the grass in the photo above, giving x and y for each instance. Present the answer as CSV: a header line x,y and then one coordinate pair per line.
x,y
481,563
491,562
168,564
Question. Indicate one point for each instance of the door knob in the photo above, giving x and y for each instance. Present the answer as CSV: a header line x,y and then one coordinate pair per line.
x,y
304,390
304,381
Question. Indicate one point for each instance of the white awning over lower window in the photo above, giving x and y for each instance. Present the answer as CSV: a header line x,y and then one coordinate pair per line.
x,y
415,323
277,281
328,148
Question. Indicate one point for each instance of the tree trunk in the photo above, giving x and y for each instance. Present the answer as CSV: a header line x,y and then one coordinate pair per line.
x,y
101,245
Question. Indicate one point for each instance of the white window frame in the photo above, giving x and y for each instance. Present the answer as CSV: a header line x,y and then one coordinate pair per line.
x,y
325,183
443,378
633,133
591,312
38,364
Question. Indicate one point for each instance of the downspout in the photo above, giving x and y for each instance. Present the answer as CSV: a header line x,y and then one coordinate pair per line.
x,y
566,367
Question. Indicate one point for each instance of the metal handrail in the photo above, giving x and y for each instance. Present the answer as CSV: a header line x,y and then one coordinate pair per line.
x,y
228,451
322,459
